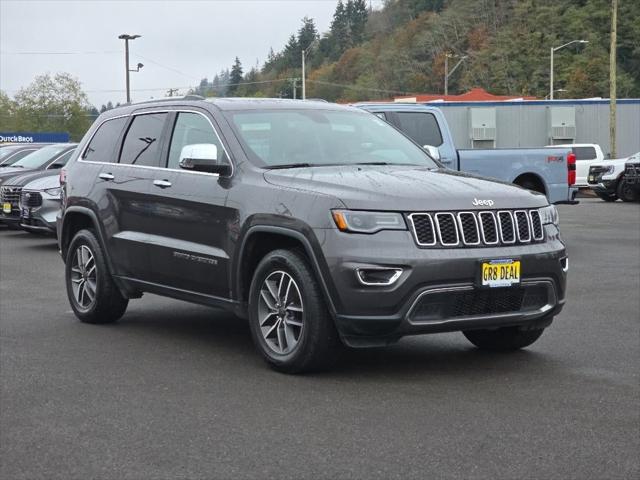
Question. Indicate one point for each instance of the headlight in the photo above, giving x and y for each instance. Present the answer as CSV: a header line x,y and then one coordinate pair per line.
x,y
54,192
367,222
610,169
549,214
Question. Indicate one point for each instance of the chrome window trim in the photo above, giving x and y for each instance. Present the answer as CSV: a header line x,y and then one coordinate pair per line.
x,y
515,235
415,233
517,222
495,226
391,281
455,227
164,169
475,220
541,237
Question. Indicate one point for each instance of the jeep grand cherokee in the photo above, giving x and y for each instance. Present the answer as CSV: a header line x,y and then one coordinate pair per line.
x,y
321,224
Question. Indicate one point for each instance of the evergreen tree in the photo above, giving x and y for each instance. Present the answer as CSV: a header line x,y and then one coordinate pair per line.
x,y
307,33
236,77
340,35
358,14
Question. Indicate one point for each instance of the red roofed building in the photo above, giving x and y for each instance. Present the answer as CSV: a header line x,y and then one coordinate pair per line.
x,y
473,95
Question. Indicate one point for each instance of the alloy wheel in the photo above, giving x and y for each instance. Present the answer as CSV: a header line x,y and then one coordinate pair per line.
x,y
84,277
280,312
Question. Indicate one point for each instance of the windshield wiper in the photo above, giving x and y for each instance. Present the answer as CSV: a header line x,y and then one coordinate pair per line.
x,y
289,165
371,163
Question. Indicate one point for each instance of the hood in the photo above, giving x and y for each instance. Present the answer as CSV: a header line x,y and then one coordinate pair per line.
x,y
406,188
43,182
8,172
21,178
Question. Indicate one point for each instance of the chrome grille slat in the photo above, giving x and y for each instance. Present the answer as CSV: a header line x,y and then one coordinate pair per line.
x,y
469,230
447,229
536,225
489,228
9,194
476,229
522,226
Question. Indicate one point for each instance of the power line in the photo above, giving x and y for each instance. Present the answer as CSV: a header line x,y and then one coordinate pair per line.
x,y
88,52
356,87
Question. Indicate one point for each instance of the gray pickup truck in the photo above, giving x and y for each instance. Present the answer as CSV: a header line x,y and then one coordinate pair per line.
x,y
546,170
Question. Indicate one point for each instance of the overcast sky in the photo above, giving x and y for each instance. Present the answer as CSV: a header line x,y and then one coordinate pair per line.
x,y
182,41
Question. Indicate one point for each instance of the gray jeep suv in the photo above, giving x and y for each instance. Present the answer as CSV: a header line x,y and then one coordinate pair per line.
x,y
321,224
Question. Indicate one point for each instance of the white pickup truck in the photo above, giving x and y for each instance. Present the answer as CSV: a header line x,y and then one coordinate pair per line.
x,y
587,154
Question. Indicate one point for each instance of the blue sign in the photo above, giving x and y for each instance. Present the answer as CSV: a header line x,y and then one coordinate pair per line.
x,y
34,137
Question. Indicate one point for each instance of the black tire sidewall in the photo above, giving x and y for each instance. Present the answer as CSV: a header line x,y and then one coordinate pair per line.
x,y
294,265
625,192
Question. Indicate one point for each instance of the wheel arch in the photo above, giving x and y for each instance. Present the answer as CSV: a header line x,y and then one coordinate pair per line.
x,y
262,239
533,178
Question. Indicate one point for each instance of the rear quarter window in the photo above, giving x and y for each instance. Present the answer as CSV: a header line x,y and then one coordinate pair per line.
x,y
422,128
102,146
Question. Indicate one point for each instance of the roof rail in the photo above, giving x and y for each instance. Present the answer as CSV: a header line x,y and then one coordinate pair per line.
x,y
168,99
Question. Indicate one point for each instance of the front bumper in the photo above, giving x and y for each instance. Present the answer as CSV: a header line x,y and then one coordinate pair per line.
x,y
41,218
443,279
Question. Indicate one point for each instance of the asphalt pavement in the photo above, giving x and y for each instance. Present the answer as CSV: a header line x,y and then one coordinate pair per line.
x,y
177,391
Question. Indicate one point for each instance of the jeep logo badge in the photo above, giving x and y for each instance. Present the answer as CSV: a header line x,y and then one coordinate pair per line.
x,y
484,203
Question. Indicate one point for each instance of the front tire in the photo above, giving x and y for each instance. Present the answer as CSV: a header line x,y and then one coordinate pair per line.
x,y
607,197
626,193
93,295
289,321
503,339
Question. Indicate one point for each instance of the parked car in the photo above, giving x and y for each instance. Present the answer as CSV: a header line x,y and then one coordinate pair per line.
x,y
10,154
632,175
31,167
587,154
608,180
40,204
319,223
548,171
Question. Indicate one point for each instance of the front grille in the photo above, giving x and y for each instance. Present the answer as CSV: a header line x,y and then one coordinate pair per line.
x,y
632,173
476,229
31,199
9,194
478,302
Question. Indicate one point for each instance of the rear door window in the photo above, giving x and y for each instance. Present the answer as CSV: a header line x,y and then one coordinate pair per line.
x,y
584,153
142,141
420,127
102,147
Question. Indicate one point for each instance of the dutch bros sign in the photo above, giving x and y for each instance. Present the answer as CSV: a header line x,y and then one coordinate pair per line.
x,y
34,137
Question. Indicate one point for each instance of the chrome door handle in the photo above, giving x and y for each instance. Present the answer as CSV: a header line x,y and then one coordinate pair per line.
x,y
106,176
162,183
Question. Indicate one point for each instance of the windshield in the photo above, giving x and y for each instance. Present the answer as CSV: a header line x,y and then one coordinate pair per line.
x,y
322,137
6,151
41,157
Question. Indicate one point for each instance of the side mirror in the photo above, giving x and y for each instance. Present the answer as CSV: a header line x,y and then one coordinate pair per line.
x,y
432,151
202,157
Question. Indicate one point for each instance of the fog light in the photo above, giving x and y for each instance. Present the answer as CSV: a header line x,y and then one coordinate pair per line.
x,y
564,263
378,276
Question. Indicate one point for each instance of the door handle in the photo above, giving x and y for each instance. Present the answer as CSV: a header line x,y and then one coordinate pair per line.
x,y
162,183
106,176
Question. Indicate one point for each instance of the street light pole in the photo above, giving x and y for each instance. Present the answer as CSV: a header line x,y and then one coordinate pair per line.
x,y
305,51
553,50
126,39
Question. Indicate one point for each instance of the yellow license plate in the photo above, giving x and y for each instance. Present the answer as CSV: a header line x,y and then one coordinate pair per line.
x,y
500,273
6,207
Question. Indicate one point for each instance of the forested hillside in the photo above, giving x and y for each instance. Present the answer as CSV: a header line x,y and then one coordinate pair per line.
x,y
401,48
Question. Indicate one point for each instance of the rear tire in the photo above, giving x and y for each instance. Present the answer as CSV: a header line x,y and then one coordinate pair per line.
x,y
625,192
289,321
531,185
503,339
607,197
93,295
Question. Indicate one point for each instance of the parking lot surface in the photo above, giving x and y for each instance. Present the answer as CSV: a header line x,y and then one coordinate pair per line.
x,y
177,391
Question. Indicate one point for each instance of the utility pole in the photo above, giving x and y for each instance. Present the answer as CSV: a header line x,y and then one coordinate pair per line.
x,y
612,78
305,51
171,91
295,86
126,39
